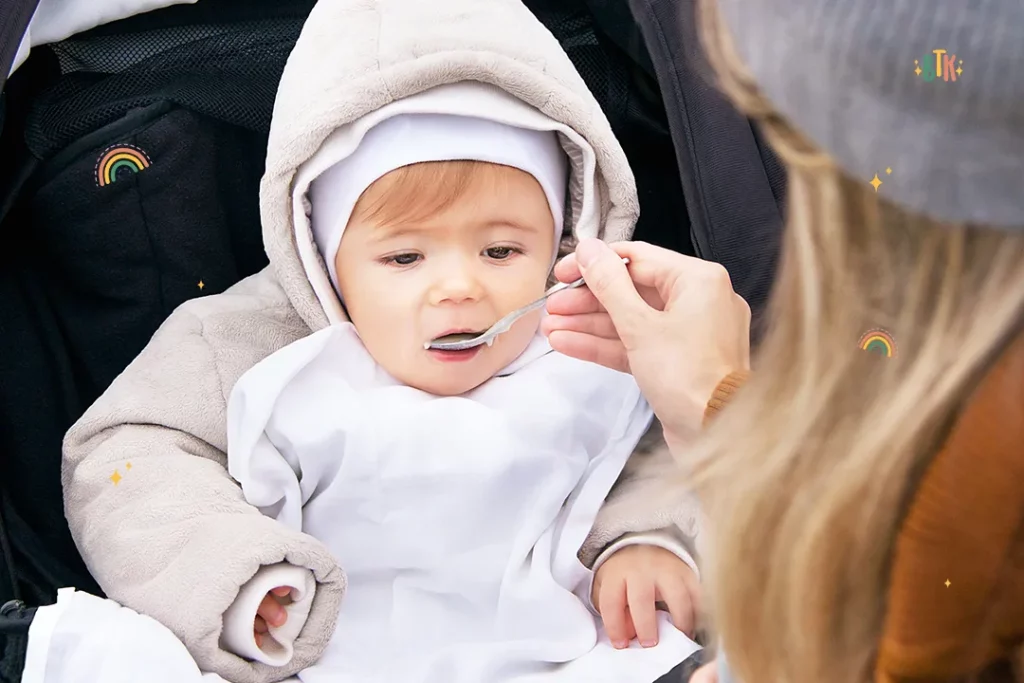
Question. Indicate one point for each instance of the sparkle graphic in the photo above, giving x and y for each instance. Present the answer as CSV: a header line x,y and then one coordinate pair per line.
x,y
201,285
116,477
877,182
948,584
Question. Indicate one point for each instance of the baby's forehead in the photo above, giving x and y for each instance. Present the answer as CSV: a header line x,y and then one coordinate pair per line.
x,y
479,194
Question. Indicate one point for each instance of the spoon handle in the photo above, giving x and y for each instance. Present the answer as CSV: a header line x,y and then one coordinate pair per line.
x,y
571,285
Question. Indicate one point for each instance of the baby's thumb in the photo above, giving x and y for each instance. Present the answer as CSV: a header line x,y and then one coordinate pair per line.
x,y
606,276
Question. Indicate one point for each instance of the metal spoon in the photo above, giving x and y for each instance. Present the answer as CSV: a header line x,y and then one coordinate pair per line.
x,y
459,342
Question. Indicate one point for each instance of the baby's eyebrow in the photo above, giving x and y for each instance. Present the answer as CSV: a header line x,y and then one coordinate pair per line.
x,y
511,223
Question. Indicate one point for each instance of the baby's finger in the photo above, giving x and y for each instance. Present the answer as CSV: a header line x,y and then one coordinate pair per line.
x,y
676,596
271,610
630,628
640,594
594,324
282,591
612,601
260,626
259,640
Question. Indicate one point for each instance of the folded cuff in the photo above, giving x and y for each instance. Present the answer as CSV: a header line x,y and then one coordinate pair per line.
x,y
238,636
724,392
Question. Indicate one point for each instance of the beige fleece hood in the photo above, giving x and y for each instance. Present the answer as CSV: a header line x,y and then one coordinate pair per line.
x,y
357,58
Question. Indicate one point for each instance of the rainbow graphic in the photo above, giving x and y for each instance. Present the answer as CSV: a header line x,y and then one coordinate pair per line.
x,y
878,341
118,160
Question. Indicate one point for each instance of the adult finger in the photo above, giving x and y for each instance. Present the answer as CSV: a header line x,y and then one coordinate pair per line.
x,y
594,324
612,606
567,270
640,595
706,674
573,302
676,596
660,268
650,267
607,352
608,279
271,610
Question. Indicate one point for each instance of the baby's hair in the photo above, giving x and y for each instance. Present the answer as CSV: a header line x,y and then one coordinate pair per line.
x,y
399,197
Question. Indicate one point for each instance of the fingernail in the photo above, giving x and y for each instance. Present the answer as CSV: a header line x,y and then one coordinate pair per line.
x,y
648,643
620,644
588,251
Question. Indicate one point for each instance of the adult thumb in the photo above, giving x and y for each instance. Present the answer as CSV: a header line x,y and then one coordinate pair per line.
x,y
606,276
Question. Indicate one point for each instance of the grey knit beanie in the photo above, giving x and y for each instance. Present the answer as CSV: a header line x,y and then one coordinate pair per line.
x,y
858,78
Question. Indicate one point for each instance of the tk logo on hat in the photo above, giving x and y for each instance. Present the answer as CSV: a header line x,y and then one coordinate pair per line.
x,y
945,65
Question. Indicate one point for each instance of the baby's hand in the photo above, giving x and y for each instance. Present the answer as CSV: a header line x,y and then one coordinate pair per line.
x,y
630,583
271,612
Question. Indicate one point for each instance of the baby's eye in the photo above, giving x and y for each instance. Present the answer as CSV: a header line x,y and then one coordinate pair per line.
x,y
500,253
401,259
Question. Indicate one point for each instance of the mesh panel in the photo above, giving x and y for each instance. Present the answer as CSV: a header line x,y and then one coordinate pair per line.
x,y
609,73
227,72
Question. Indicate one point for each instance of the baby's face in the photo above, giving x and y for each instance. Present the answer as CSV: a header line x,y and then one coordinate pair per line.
x,y
409,281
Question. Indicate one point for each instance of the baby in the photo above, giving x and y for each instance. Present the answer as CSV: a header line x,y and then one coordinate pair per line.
x,y
455,487
426,516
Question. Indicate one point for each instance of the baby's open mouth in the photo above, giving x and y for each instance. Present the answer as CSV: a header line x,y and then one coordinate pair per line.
x,y
458,336
447,337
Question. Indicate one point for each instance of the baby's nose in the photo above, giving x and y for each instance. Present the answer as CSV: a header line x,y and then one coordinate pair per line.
x,y
457,284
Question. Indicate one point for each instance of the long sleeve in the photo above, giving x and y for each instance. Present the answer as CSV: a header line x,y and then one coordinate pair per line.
x,y
724,393
956,597
158,519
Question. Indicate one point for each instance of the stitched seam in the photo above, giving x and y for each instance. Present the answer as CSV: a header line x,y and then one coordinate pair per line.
x,y
213,358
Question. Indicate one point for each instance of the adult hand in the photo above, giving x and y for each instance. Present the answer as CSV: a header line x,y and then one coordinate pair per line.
x,y
673,321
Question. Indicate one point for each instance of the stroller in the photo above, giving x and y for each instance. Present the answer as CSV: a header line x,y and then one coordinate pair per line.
x,y
130,157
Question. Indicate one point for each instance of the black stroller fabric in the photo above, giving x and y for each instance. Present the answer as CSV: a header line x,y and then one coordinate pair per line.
x,y
133,188
130,158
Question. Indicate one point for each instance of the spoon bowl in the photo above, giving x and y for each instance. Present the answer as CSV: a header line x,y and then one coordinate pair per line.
x,y
464,341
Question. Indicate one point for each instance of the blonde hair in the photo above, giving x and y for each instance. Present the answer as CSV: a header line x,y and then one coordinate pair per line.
x,y
806,478
420,191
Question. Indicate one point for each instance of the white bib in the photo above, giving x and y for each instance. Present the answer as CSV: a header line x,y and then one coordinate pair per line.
x,y
456,519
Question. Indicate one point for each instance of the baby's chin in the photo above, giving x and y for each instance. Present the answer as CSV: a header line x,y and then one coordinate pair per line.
x,y
451,379
428,374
